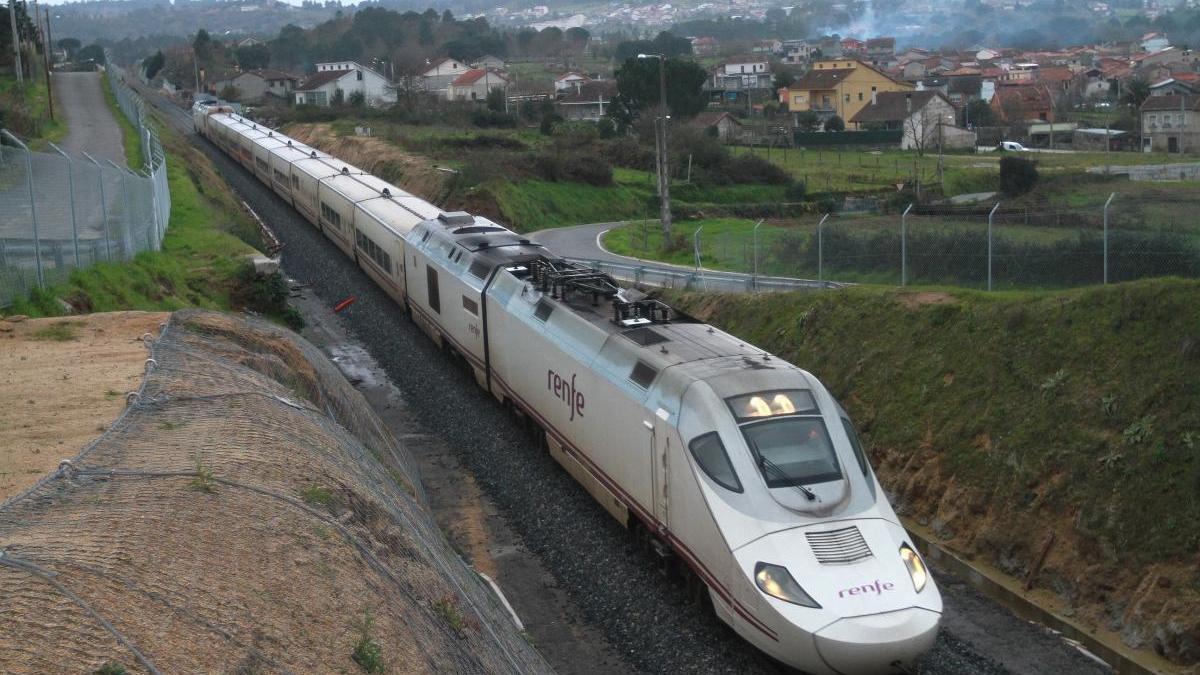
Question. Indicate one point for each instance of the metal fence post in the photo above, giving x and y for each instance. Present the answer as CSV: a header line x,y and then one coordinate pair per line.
x,y
990,215
103,207
904,246
1106,203
696,245
756,226
128,236
821,249
37,242
71,189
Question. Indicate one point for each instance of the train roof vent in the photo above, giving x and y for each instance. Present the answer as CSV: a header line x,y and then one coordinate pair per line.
x,y
386,193
289,142
478,229
645,336
345,171
449,218
839,547
313,154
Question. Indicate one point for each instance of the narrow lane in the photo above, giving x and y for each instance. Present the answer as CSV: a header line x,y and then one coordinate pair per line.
x,y
91,127
614,585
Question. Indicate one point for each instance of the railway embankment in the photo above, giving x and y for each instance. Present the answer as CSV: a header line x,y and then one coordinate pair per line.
x,y
246,512
1054,436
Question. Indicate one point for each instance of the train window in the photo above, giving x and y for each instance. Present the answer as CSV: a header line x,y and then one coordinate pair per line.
x,y
425,237
296,182
480,269
431,279
772,403
714,461
859,454
643,375
543,310
332,217
793,451
471,306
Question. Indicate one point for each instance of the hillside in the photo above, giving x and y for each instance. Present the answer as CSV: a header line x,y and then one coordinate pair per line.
x,y
995,419
248,512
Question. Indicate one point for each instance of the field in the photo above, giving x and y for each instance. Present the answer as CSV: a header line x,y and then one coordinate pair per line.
x,y
995,419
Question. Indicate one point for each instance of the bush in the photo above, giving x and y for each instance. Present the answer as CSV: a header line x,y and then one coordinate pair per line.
x,y
754,169
796,191
485,119
357,99
606,127
549,121
577,168
835,123
630,153
1017,175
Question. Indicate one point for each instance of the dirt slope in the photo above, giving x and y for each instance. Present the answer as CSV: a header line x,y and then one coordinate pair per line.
x,y
62,382
249,513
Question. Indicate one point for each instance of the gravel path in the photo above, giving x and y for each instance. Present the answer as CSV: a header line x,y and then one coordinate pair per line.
x,y
646,616
91,127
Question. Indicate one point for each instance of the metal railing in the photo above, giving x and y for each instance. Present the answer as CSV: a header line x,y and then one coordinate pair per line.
x,y
664,276
60,212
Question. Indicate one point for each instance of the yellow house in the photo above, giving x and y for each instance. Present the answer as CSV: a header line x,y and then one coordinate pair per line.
x,y
839,87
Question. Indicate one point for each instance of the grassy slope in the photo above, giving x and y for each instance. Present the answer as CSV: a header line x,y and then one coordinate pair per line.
x,y
198,263
131,138
37,105
994,418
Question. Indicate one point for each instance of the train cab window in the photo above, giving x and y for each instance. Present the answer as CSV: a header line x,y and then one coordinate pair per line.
x,y
431,279
479,269
859,454
792,450
543,310
643,375
710,454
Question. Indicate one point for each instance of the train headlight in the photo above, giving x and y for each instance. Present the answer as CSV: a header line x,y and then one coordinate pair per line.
x,y
777,582
916,567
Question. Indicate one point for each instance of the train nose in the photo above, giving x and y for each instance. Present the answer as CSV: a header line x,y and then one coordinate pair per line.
x,y
878,643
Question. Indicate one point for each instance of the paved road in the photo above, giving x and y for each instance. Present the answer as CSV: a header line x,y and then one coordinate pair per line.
x,y
91,127
580,241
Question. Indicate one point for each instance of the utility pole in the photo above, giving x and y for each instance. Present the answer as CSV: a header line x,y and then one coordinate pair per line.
x,y
16,40
664,176
47,50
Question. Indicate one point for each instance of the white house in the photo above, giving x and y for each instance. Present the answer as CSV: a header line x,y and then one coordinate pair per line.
x,y
489,61
347,77
751,71
439,74
1154,42
926,118
570,82
475,84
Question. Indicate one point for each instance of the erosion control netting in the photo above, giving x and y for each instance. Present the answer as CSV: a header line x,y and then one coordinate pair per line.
x,y
248,512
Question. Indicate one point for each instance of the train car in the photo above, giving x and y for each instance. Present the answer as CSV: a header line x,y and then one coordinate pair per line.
x,y
260,150
336,197
283,181
307,175
380,226
450,261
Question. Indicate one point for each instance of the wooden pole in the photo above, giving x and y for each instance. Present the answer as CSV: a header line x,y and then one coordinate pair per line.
x,y
47,50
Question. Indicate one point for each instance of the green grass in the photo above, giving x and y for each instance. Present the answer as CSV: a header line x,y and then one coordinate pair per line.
x,y
32,105
63,331
1041,409
131,137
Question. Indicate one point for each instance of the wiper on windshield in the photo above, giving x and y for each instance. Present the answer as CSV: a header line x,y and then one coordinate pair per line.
x,y
771,466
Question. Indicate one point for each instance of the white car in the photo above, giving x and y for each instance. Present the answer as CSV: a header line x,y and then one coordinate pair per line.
x,y
1013,146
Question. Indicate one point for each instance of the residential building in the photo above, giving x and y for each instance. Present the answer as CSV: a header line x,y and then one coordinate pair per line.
x,y
489,61
348,77
438,75
926,117
724,125
589,102
704,46
769,46
796,52
475,84
853,46
738,77
881,52
1173,87
253,86
1022,103
1153,42
570,82
839,87
1171,123
249,42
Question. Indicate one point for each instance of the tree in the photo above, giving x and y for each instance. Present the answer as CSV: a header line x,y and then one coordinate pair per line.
x,y
253,57
496,99
357,98
202,45
425,32
339,97
70,46
835,123
1017,175
980,114
154,64
229,93
1135,91
447,16
638,88
783,79
92,52
807,120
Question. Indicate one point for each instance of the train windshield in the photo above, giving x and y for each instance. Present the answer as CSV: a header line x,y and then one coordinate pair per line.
x,y
793,451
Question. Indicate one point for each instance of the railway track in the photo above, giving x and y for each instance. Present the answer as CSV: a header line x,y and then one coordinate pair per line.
x,y
617,588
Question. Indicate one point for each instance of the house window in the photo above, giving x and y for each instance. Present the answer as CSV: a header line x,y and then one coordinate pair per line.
x,y
359,74
860,96
847,98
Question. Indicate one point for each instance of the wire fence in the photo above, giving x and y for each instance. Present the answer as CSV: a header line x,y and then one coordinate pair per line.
x,y
61,211
986,246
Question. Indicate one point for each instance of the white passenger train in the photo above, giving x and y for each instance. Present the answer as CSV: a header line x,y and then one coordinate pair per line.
x,y
740,463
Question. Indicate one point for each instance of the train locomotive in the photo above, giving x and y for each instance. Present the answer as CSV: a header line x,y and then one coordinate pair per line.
x,y
740,464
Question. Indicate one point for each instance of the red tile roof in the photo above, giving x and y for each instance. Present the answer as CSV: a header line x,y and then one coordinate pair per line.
x,y
474,75
316,80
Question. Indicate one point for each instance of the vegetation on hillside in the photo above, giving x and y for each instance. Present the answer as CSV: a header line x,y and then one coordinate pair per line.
x,y
994,419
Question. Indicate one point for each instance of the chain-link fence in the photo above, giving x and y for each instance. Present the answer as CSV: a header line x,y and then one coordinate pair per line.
x,y
987,246
246,513
60,211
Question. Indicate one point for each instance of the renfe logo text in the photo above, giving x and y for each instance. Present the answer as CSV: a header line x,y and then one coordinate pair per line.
x,y
565,390
877,588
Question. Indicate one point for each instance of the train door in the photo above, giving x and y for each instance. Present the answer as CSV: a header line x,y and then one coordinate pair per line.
x,y
660,450
431,278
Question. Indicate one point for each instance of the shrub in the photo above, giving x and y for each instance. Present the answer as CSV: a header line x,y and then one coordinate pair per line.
x,y
490,118
577,168
606,127
1017,175
368,653
807,120
754,169
630,153
549,121
835,123
357,99
796,191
